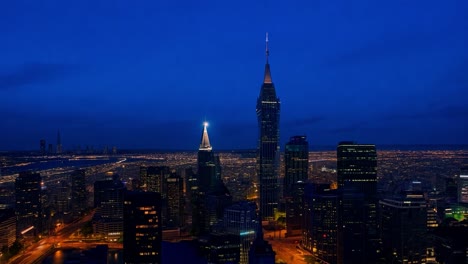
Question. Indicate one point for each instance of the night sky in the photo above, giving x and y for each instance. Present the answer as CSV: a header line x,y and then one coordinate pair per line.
x,y
146,74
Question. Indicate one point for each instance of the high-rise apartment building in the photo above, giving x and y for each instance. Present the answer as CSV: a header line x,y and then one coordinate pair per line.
x,y
268,115
142,227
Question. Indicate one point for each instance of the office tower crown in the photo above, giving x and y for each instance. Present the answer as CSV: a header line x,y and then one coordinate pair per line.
x,y
205,140
267,77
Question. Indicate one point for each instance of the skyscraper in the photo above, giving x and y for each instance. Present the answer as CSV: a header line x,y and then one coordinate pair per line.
x,y
108,199
268,115
211,196
240,219
28,201
357,167
78,192
142,227
404,230
357,181
296,164
320,227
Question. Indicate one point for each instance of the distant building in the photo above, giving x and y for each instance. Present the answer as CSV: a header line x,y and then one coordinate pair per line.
x,y
42,145
174,201
155,178
79,196
357,181
28,201
404,228
268,115
108,200
463,186
163,180
142,227
51,149
320,226
296,167
7,227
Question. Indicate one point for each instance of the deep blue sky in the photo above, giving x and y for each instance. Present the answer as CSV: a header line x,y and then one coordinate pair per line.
x,y
146,74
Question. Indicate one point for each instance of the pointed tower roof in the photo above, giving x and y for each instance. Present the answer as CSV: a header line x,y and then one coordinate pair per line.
x,y
205,140
267,77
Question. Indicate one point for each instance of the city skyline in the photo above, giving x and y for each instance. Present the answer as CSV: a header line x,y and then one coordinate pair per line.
x,y
132,76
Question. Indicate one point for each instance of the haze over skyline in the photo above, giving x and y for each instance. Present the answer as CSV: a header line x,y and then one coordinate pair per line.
x,y
147,74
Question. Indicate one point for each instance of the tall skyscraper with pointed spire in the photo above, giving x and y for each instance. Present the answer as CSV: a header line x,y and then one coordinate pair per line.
x,y
268,114
212,195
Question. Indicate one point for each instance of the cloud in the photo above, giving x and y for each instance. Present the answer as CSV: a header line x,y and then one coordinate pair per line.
x,y
33,73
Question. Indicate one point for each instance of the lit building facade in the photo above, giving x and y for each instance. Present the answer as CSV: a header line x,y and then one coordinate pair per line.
x,y
320,222
108,200
241,219
7,227
142,227
463,186
79,200
28,201
268,115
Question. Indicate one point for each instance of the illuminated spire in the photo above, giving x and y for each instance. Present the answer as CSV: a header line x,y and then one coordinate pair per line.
x,y
267,77
205,140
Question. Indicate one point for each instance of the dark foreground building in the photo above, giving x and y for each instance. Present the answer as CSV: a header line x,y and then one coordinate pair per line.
x,y
357,182
142,227
320,226
296,168
404,232
28,202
